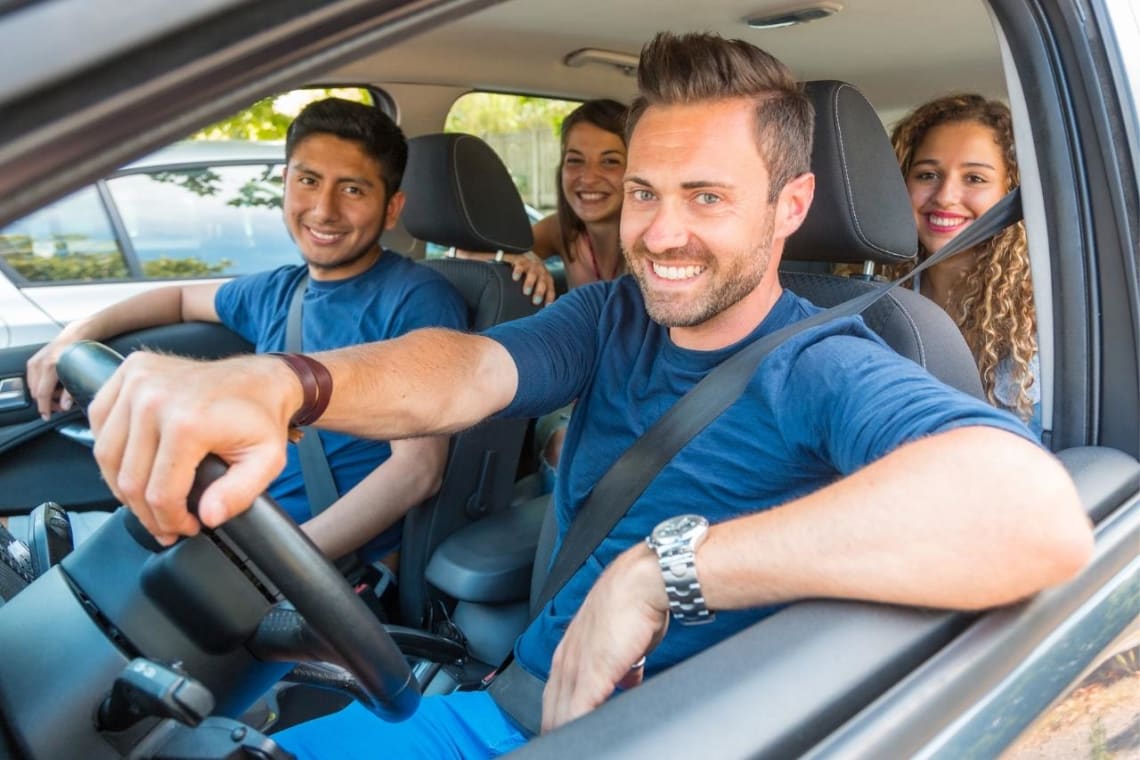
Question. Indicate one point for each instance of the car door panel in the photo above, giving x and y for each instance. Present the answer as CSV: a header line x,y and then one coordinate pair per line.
x,y
41,461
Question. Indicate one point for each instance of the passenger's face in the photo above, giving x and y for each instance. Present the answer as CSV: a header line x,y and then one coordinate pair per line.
x,y
958,173
336,205
592,168
696,225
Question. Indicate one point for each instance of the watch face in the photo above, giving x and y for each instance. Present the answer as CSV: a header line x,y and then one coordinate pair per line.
x,y
679,528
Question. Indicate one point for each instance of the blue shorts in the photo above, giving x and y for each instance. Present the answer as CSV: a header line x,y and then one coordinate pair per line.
x,y
466,724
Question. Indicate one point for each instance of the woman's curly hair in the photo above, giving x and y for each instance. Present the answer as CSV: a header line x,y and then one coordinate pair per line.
x,y
995,298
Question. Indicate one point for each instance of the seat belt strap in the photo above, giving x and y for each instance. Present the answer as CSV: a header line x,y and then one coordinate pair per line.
x,y
320,488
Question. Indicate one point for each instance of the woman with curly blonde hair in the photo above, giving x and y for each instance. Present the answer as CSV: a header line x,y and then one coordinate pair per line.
x,y
958,158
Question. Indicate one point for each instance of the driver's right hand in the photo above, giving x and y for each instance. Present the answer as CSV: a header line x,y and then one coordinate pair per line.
x,y
159,416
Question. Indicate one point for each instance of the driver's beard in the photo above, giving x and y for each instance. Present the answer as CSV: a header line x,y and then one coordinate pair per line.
x,y
732,279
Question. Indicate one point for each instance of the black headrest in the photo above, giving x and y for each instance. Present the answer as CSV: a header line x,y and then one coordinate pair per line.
x,y
460,195
861,209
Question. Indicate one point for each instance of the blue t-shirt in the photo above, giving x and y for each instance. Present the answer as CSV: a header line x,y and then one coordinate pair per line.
x,y
393,297
824,404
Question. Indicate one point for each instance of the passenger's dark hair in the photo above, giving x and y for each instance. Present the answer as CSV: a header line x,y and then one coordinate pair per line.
x,y
373,129
694,68
604,114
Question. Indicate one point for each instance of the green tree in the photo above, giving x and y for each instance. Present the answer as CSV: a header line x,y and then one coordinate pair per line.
x,y
488,113
269,118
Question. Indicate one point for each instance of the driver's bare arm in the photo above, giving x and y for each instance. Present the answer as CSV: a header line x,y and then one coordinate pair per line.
x,y
413,473
965,519
161,306
159,416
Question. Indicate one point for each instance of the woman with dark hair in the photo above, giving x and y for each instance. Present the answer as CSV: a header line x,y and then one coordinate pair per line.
x,y
584,229
957,155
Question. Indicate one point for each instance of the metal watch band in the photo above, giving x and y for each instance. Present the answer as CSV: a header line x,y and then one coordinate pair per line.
x,y
686,600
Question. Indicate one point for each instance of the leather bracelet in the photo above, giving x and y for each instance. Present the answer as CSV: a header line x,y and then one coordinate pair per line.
x,y
316,387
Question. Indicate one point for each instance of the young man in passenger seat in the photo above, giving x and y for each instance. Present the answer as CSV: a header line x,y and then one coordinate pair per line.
x,y
842,471
344,164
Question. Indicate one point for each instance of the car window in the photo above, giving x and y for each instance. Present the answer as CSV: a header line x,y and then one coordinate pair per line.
x,y
524,131
209,220
70,240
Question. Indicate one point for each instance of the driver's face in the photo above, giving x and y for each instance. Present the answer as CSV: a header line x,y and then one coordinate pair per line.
x,y
696,224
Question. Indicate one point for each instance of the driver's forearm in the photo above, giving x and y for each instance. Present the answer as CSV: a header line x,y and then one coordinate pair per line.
x,y
410,475
429,382
966,519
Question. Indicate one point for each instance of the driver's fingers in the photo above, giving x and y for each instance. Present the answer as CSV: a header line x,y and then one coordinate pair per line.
x,y
162,462
245,479
554,694
110,424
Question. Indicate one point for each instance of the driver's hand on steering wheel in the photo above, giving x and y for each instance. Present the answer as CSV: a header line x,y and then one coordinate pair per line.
x,y
159,416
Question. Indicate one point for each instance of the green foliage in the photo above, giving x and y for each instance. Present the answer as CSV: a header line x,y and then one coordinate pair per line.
x,y
1098,744
167,268
488,113
269,118
78,259
76,266
201,182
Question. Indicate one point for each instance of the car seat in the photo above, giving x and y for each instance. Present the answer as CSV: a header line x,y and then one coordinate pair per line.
x,y
459,194
862,213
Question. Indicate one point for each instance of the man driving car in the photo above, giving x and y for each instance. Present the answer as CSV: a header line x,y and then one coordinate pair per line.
x,y
838,473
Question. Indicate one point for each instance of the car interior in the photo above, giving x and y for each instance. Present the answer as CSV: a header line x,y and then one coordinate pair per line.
x,y
132,650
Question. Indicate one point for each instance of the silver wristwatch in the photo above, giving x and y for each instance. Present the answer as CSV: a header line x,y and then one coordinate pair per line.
x,y
675,541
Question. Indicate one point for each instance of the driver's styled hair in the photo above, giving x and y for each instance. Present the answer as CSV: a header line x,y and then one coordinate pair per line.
x,y
366,125
692,68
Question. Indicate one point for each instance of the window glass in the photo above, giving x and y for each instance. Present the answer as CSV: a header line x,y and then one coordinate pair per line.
x,y
70,240
1099,716
524,131
210,220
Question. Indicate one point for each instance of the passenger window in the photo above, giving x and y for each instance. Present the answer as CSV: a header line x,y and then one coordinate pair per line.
x,y
69,241
205,221
1097,717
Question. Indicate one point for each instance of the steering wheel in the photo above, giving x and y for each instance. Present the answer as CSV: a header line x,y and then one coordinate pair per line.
x,y
290,561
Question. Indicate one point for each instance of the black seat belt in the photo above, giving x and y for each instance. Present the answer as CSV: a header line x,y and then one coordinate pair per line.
x,y
515,690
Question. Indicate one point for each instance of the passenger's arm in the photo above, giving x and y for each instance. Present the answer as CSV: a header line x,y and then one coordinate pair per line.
x,y
176,410
161,306
413,473
529,268
965,519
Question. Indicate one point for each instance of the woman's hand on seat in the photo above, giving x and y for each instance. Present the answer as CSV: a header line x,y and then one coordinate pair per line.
x,y
537,282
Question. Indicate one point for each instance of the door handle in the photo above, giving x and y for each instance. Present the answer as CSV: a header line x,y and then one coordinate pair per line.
x,y
13,394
